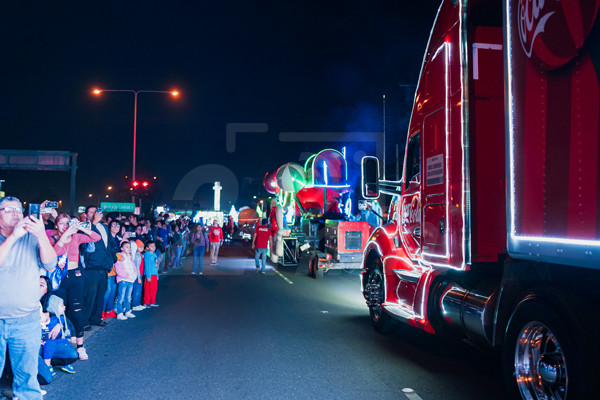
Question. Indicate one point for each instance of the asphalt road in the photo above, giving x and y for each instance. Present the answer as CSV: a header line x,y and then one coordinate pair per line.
x,y
236,334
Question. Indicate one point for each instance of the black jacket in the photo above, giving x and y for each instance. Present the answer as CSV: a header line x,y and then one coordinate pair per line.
x,y
97,256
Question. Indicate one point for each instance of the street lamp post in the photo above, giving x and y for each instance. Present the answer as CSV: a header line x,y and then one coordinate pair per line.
x,y
173,93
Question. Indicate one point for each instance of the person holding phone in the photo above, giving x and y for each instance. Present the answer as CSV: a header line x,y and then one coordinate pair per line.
x,y
69,235
99,260
48,213
24,248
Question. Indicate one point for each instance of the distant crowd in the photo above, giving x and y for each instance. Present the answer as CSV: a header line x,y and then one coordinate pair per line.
x,y
90,268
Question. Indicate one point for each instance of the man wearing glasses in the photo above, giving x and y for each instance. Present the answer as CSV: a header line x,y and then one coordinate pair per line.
x,y
24,248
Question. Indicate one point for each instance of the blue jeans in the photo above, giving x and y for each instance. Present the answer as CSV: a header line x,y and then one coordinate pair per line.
x,y
64,353
22,338
136,294
124,299
109,295
262,254
176,256
198,258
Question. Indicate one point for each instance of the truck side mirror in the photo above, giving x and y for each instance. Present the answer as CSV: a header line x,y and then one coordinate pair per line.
x,y
370,177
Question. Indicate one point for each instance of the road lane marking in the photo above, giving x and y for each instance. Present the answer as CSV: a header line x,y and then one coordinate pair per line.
x,y
411,394
283,277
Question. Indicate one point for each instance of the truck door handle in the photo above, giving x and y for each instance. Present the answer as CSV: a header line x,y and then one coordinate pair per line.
x,y
442,226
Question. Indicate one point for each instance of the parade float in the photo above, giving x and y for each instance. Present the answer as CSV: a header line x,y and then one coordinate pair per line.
x,y
311,214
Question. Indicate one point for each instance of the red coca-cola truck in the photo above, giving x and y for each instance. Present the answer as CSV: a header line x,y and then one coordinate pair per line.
x,y
496,233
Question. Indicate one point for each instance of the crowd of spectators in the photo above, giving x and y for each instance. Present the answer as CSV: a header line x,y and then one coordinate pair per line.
x,y
107,266
90,267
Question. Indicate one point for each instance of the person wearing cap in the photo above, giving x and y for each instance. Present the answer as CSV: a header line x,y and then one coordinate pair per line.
x,y
138,260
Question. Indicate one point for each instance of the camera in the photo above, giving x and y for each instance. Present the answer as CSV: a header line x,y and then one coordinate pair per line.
x,y
34,209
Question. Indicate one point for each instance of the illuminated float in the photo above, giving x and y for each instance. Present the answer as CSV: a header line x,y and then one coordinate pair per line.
x,y
311,212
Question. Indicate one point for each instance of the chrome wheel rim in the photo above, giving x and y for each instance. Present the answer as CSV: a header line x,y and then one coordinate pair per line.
x,y
540,367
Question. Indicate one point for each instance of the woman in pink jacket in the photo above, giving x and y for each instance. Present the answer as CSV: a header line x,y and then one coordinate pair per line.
x,y
66,239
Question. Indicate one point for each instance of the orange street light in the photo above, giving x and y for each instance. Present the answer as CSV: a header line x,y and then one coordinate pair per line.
x,y
98,92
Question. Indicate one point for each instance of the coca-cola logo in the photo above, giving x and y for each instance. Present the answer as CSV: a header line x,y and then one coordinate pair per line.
x,y
532,21
553,31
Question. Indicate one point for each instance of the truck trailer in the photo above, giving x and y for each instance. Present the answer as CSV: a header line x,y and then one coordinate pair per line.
x,y
496,236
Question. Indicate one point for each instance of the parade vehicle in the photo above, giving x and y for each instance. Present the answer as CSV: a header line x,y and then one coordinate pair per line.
x,y
496,235
312,214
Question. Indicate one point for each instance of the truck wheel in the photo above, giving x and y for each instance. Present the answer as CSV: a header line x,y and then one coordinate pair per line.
x,y
318,271
542,360
381,321
311,260
313,267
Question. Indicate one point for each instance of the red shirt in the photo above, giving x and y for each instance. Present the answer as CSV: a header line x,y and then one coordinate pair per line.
x,y
215,234
263,233
141,265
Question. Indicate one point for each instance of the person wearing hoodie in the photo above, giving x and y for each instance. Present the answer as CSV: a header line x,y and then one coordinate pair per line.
x,y
56,348
125,269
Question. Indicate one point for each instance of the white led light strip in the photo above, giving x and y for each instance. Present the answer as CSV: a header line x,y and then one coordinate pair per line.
x,y
464,172
446,48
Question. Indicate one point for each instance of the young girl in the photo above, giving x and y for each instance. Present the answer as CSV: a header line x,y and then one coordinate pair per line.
x,y
126,275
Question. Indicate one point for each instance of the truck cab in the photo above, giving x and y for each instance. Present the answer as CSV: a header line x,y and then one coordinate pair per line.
x,y
451,191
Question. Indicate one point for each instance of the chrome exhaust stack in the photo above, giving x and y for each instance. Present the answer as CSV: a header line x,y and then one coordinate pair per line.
x,y
470,310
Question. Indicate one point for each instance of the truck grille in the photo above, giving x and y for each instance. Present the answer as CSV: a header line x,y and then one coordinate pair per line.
x,y
353,240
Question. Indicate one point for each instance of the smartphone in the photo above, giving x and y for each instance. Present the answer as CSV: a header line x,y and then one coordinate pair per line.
x,y
86,224
52,204
73,221
34,209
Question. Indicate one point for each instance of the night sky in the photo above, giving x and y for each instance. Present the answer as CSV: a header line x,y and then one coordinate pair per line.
x,y
310,66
